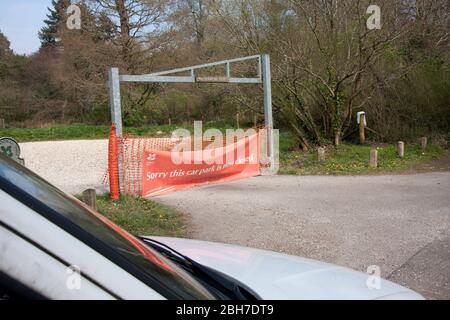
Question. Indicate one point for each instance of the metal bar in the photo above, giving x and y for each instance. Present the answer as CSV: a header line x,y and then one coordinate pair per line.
x,y
114,97
245,80
201,66
267,83
176,79
228,80
259,68
213,79
150,78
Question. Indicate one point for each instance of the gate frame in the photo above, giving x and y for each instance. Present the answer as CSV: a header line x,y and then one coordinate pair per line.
x,y
263,77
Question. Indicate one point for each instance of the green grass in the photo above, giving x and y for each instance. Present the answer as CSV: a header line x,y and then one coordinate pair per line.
x,y
142,217
78,131
354,159
82,132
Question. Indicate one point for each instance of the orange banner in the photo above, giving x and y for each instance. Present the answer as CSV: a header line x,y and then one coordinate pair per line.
x,y
162,172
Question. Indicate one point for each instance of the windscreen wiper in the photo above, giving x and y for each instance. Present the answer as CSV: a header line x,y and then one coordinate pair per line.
x,y
224,286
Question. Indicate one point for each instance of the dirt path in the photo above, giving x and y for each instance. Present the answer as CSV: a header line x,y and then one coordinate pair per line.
x,y
442,164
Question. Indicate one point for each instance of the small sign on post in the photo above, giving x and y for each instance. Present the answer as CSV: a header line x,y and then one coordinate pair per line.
x,y
10,148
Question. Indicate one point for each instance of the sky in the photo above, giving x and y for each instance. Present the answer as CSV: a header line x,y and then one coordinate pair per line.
x,y
20,22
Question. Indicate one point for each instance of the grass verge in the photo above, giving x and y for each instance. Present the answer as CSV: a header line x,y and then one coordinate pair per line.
x,y
142,217
78,132
86,132
354,159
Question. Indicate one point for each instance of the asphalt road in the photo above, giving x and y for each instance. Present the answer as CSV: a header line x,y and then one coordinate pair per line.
x,y
400,223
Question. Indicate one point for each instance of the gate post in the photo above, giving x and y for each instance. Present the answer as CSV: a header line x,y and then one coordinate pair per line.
x,y
267,85
116,116
114,98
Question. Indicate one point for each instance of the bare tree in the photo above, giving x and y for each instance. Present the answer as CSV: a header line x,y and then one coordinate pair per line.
x,y
326,63
133,20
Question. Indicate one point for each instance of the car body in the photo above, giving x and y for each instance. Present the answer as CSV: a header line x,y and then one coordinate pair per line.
x,y
52,246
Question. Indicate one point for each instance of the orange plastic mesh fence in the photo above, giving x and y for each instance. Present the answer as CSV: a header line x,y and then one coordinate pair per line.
x,y
132,152
113,165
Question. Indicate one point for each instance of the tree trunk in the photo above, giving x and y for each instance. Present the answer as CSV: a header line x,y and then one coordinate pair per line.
x,y
124,32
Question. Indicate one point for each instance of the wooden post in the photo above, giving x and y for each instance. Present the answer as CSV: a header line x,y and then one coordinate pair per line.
x,y
401,149
90,198
321,154
2,123
424,143
237,120
373,158
362,127
170,121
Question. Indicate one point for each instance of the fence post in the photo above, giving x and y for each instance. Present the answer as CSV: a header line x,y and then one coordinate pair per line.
x,y
2,123
90,198
373,163
362,127
424,143
237,120
401,149
321,154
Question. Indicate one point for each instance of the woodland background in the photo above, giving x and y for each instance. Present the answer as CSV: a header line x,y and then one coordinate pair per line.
x,y
326,66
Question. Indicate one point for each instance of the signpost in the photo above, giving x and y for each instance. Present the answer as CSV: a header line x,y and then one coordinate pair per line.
x,y
10,148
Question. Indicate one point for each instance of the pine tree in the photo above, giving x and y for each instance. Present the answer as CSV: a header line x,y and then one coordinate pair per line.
x,y
5,49
6,55
49,33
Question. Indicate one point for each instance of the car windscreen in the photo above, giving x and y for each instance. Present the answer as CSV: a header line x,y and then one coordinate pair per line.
x,y
99,233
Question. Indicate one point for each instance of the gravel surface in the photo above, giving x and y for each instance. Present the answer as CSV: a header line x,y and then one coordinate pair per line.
x,y
351,221
72,166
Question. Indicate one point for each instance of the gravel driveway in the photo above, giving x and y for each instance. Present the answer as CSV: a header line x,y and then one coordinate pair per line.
x,y
400,223
72,166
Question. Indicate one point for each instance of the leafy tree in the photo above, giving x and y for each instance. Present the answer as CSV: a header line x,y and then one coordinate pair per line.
x,y
49,33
